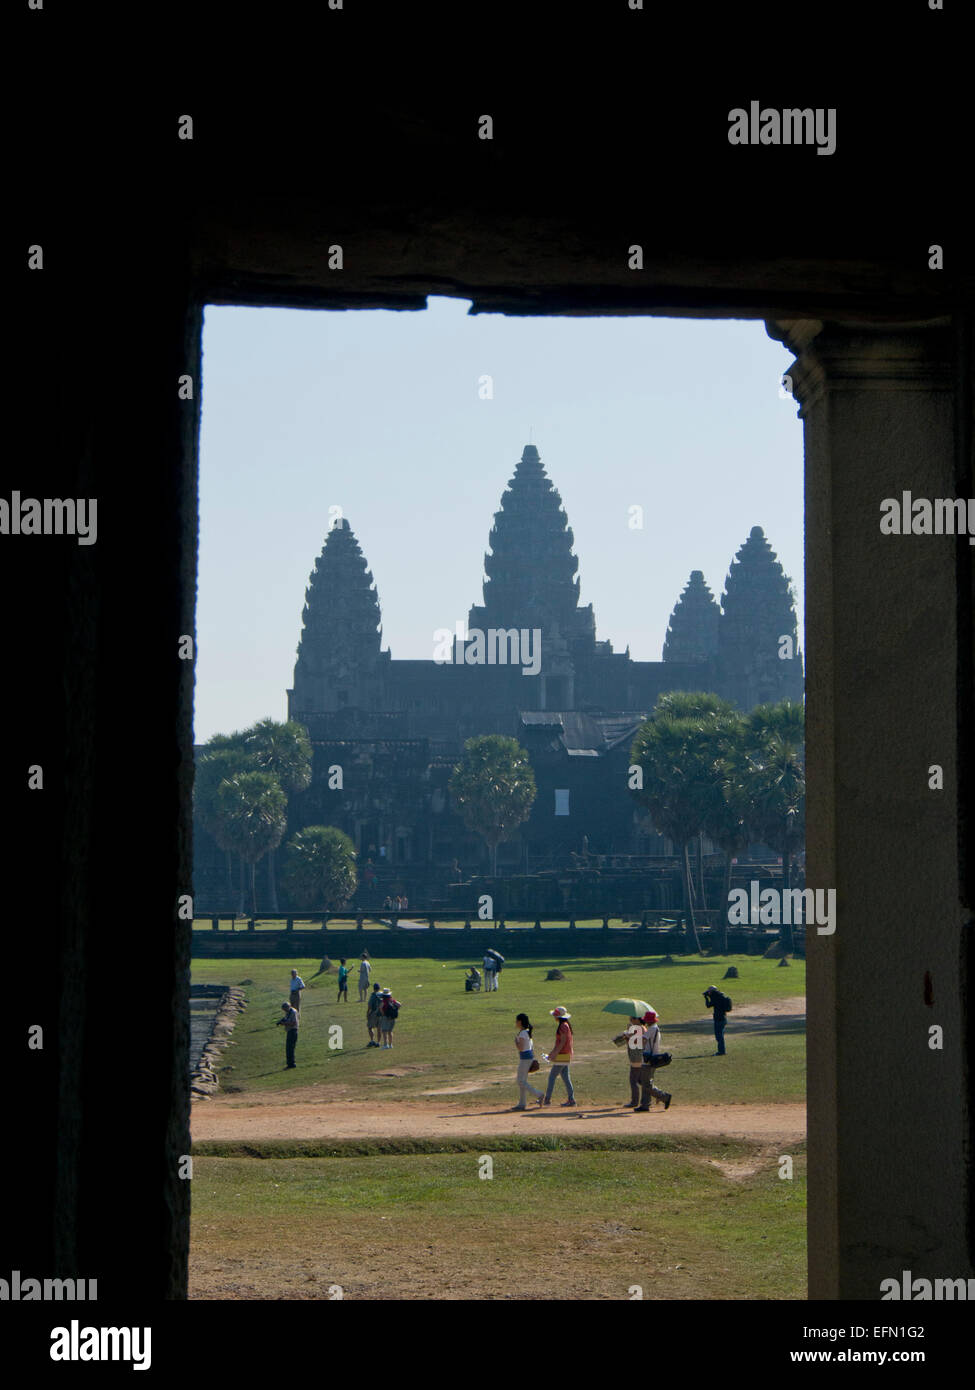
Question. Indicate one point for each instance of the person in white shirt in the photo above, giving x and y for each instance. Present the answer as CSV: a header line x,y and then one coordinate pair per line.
x,y
364,972
651,1048
526,1055
633,1038
297,985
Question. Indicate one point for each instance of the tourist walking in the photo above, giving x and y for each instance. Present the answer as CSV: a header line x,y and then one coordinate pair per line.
x,y
365,969
493,963
290,1024
373,1012
651,1049
343,980
560,1057
296,986
721,1004
498,967
388,1015
642,1040
526,1062
633,1039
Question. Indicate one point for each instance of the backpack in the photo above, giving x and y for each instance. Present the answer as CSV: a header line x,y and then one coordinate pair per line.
x,y
391,1009
725,1003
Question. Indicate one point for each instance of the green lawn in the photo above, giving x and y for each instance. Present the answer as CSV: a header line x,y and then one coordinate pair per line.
x,y
427,1226
445,1037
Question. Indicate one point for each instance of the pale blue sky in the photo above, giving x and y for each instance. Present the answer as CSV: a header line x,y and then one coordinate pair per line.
x,y
378,412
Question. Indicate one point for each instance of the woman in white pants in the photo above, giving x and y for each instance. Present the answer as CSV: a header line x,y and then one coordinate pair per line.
x,y
526,1055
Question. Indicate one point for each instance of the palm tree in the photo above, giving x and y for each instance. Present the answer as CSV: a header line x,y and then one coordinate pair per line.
x,y
708,710
723,819
670,791
225,756
777,736
253,808
321,870
493,787
283,750
770,778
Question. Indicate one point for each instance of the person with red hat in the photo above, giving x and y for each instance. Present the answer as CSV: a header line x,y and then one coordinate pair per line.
x,y
651,1049
642,1039
560,1057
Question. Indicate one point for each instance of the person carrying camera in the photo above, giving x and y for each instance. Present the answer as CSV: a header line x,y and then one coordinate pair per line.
x,y
290,1024
720,1003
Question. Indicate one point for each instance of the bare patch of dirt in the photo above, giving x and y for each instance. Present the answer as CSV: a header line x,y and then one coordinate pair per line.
x,y
455,1090
795,1004
407,1069
737,1172
740,1169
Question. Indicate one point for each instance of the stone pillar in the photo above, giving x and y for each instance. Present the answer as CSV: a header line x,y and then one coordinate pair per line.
x,y
885,642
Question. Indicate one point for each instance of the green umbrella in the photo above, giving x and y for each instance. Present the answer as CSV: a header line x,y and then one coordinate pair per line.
x,y
633,1008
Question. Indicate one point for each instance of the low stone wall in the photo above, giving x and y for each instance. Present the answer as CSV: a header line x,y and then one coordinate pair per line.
x,y
229,1003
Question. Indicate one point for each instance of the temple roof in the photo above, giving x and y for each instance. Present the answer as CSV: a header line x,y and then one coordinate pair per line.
x,y
586,735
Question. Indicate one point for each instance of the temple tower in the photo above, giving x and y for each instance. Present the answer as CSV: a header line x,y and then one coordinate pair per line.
x,y
339,651
531,575
692,634
755,664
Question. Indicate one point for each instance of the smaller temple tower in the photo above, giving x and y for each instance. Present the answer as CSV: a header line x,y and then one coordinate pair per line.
x,y
692,635
758,645
339,658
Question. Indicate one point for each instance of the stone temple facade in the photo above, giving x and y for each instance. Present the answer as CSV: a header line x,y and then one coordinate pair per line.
x,y
386,734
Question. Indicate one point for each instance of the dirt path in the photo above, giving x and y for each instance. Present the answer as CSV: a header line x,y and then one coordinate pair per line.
x,y
297,1118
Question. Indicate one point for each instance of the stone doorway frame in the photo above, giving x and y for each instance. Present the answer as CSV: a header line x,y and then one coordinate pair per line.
x,y
884,382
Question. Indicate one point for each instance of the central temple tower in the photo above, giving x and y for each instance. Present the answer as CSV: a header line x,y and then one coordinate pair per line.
x,y
531,577
532,582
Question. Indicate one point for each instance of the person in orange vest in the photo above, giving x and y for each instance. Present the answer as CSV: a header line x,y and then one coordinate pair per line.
x,y
560,1057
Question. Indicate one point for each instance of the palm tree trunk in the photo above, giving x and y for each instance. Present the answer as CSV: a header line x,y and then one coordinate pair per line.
x,y
787,881
725,896
494,860
242,893
700,869
230,878
272,881
254,887
689,899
